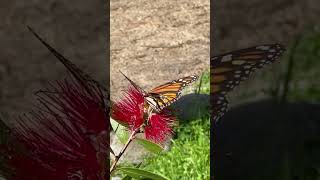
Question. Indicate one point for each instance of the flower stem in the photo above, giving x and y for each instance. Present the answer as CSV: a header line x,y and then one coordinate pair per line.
x,y
132,136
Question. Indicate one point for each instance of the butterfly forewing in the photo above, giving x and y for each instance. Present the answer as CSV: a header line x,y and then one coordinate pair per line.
x,y
169,92
229,69
175,85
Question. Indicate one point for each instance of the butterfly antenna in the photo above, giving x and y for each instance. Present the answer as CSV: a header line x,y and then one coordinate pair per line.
x,y
133,83
126,77
74,70
61,58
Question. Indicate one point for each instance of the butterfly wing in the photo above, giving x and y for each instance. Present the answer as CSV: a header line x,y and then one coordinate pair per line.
x,y
229,69
164,95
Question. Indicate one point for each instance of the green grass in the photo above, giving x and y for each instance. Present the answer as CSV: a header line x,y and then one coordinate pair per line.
x,y
305,87
189,157
305,84
204,83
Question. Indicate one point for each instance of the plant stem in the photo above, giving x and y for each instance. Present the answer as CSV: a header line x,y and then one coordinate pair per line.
x,y
288,76
132,136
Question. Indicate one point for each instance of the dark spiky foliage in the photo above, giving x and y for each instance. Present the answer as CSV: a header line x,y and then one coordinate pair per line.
x,y
65,136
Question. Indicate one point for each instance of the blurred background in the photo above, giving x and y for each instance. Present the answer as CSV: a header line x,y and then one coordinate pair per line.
x,y
273,128
155,42
77,29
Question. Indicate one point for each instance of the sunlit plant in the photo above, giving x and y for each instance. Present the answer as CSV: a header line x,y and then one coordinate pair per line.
x,y
66,136
131,113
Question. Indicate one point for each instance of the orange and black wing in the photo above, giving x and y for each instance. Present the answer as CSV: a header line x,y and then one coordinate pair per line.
x,y
229,69
164,95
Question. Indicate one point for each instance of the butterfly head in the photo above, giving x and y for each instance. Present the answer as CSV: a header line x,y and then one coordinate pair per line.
x,y
151,104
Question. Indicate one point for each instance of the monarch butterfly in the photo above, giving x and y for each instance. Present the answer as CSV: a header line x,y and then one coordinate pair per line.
x,y
165,94
229,69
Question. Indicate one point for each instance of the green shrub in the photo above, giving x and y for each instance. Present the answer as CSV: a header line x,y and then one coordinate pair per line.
x,y
189,157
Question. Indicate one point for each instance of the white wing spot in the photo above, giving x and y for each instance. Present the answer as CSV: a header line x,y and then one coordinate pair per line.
x,y
226,58
238,62
214,58
272,50
263,47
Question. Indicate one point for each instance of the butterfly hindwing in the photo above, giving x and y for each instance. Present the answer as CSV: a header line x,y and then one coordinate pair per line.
x,y
220,107
229,69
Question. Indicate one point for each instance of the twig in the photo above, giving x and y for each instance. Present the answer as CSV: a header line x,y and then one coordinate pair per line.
x,y
132,136
289,72
200,84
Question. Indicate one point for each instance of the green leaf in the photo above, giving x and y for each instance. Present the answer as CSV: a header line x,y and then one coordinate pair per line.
x,y
123,134
121,131
150,146
127,178
141,174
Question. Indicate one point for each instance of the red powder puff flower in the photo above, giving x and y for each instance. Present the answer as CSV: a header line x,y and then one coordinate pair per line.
x,y
66,137
160,126
61,139
129,111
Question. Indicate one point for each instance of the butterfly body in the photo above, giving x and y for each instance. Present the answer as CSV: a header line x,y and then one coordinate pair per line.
x,y
229,69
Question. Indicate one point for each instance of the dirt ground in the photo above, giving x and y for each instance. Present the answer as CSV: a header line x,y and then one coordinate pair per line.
x,y
153,42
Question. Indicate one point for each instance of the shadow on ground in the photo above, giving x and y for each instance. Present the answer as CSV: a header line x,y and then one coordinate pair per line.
x,y
191,107
266,140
